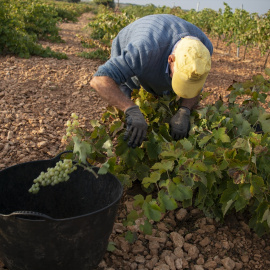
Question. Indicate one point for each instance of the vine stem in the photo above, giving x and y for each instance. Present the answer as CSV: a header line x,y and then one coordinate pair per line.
x,y
88,169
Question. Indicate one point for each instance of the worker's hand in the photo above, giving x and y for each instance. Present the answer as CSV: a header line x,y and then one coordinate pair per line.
x,y
180,124
136,126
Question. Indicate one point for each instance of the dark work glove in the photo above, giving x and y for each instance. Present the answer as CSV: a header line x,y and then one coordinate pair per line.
x,y
180,124
136,126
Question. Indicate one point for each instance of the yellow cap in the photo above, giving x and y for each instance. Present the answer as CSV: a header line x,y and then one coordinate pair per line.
x,y
191,67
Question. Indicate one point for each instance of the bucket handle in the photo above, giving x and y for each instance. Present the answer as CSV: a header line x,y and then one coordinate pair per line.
x,y
29,214
60,154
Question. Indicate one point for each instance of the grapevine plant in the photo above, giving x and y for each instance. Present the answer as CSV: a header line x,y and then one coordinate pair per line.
x,y
221,168
23,23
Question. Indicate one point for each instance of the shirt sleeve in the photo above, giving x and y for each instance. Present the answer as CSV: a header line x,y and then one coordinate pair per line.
x,y
131,62
209,46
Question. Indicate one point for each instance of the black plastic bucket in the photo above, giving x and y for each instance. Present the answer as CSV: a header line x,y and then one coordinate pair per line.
x,y
62,227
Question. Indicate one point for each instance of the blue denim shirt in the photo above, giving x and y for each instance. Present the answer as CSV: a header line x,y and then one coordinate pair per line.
x,y
142,49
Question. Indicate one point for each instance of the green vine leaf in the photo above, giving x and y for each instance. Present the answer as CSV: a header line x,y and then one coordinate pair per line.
x,y
146,228
264,119
257,184
129,155
108,147
104,168
164,132
244,191
131,217
266,216
180,192
244,129
125,180
138,200
204,140
116,127
82,148
153,148
226,206
153,179
111,247
166,201
142,170
220,134
240,203
262,211
187,145
267,71
163,166
227,198
131,237
243,144
94,123
152,211
200,166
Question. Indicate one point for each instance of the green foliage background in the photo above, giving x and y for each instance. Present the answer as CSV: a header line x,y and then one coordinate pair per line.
x,y
107,3
23,23
239,27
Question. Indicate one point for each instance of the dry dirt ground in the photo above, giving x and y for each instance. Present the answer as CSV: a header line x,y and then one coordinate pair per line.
x,y
37,97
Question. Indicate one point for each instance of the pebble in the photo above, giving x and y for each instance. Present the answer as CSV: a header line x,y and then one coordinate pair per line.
x,y
170,261
155,239
210,264
193,252
200,261
124,245
245,258
206,241
188,236
198,267
181,214
228,263
139,259
179,253
225,245
162,267
152,245
209,228
138,248
10,135
179,263
238,265
178,240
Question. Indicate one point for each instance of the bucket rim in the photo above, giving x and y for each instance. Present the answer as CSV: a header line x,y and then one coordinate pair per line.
x,y
49,218
14,214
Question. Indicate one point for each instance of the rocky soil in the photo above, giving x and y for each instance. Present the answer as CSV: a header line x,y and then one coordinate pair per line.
x,y
37,97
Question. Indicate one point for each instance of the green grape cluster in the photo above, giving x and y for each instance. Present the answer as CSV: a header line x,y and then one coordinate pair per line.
x,y
72,126
53,176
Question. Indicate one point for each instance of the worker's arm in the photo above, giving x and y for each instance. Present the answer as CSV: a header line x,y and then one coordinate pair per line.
x,y
136,124
190,103
109,91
